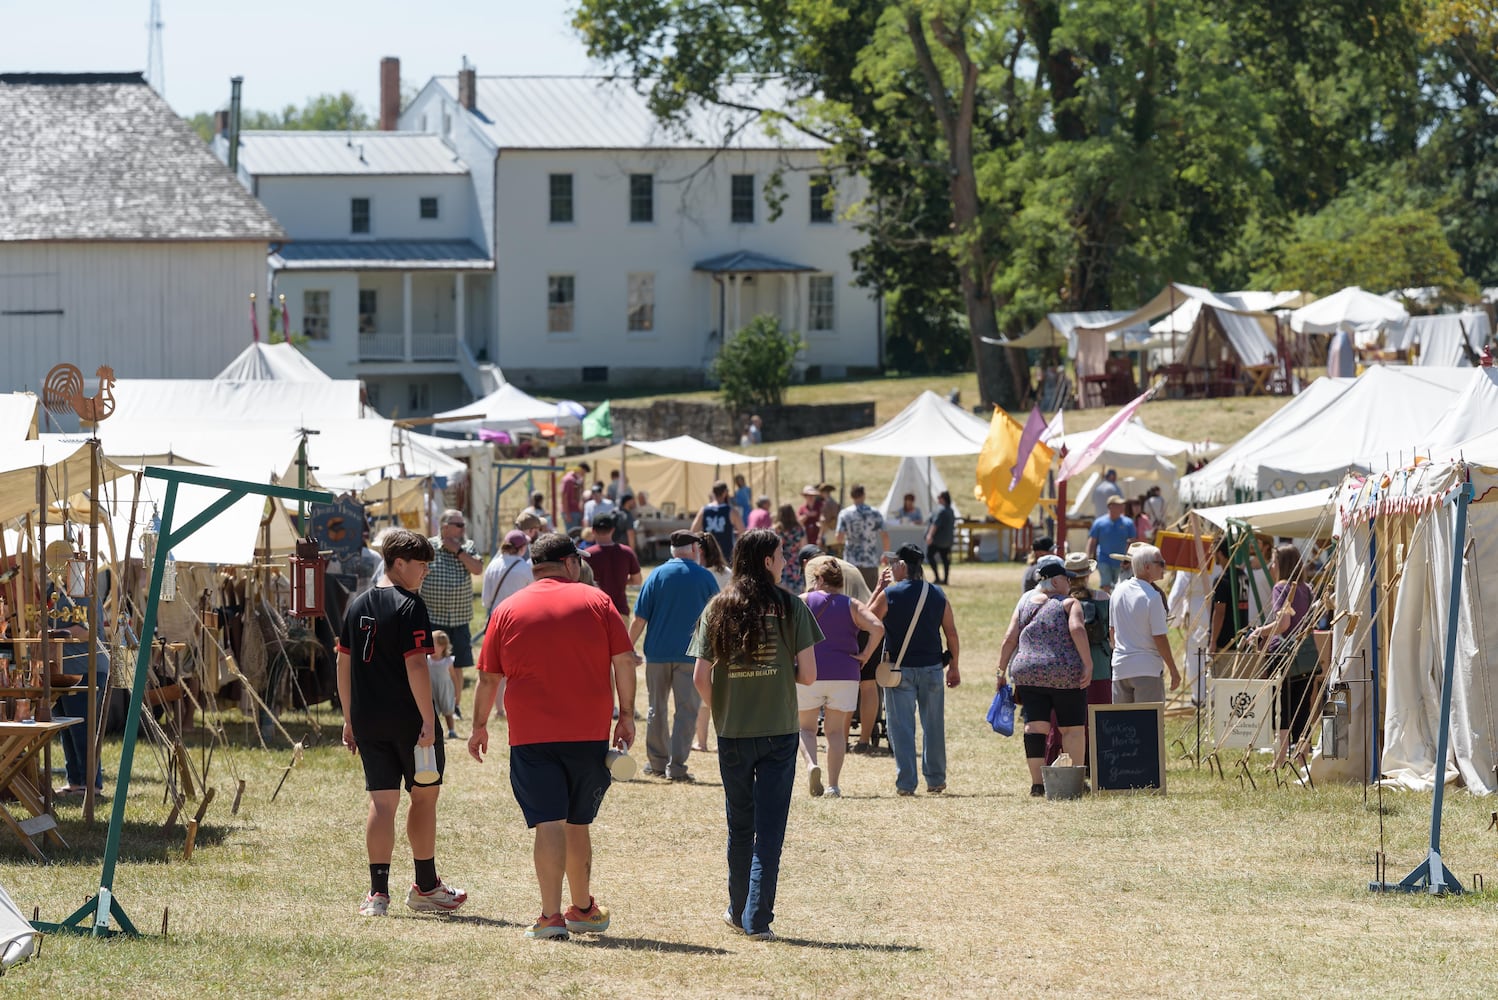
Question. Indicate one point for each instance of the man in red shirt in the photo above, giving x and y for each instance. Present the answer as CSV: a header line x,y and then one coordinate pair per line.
x,y
810,514
556,644
573,484
614,566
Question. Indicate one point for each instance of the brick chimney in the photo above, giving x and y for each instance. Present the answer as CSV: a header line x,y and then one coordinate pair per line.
x,y
221,122
468,86
390,93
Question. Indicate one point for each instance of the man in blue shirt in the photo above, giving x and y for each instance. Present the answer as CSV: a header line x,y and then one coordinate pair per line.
x,y
1109,536
670,603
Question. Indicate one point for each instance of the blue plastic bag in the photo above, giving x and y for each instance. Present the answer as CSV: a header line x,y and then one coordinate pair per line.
x,y
1001,712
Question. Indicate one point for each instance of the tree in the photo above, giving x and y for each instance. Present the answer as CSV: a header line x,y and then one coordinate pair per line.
x,y
321,113
755,364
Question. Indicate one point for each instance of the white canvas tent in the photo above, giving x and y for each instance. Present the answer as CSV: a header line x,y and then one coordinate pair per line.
x,y
681,470
272,362
508,408
1300,515
1441,338
1142,457
1351,310
63,467
17,416
916,476
183,400
930,427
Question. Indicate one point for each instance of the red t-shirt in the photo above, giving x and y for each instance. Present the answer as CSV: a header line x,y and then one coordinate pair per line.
x,y
572,493
553,642
613,565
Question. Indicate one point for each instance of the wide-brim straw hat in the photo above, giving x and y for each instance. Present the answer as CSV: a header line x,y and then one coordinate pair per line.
x,y
1077,564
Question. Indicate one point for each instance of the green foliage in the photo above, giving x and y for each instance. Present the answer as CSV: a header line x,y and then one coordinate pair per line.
x,y
754,366
1378,253
322,113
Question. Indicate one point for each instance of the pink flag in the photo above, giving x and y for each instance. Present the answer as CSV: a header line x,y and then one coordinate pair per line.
x,y
1034,428
1078,460
254,320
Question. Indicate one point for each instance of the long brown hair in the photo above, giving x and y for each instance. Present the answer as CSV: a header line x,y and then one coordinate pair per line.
x,y
787,517
712,552
736,618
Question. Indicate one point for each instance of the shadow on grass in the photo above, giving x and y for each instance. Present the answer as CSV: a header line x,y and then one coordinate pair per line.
x,y
477,921
647,944
846,945
139,842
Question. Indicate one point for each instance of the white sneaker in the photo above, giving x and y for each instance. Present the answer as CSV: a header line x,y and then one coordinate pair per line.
x,y
814,781
376,904
833,792
442,899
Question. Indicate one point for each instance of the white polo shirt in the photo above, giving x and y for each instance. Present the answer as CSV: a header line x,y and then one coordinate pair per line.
x,y
1137,613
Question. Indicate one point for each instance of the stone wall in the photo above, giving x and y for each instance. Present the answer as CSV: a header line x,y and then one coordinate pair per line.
x,y
713,423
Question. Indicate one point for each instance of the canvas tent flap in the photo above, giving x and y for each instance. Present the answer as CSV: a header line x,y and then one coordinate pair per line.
x,y
1350,309
681,471
64,465
1441,338
1300,515
1060,328
929,427
181,400
18,413
918,476
272,362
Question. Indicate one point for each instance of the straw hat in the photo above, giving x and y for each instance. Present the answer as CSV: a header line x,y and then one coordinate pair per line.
x,y
1077,564
1127,556
809,490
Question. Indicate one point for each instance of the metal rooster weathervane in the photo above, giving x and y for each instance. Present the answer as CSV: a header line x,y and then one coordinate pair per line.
x,y
63,390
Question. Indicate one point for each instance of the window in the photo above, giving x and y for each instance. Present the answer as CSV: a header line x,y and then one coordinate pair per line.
x,y
821,199
561,293
820,314
315,315
423,128
742,199
561,197
642,197
369,307
641,302
418,397
596,374
359,215
429,208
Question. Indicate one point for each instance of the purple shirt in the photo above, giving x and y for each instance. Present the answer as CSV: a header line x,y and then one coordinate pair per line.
x,y
758,518
1300,603
837,653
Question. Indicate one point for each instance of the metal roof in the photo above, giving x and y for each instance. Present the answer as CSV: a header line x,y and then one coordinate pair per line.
x,y
382,255
343,154
747,262
101,156
591,112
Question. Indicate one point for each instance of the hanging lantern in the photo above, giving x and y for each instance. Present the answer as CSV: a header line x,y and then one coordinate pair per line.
x,y
78,574
307,570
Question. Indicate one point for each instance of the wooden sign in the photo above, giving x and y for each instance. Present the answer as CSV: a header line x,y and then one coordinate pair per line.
x,y
1128,746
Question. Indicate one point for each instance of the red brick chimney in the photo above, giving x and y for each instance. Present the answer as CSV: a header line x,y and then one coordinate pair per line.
x,y
221,123
468,86
390,93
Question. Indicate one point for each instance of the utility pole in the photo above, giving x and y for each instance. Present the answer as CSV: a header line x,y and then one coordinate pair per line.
x,y
155,60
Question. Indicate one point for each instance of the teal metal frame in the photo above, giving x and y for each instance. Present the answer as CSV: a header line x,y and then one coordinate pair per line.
x,y
103,906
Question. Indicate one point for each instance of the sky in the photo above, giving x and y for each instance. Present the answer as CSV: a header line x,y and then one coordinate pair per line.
x,y
289,50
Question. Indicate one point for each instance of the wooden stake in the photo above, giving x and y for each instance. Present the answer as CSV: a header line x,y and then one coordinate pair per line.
x,y
237,796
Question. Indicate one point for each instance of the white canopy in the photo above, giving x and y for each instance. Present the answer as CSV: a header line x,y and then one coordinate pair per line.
x,y
681,470
187,400
1144,458
929,427
17,416
1057,329
1351,309
507,408
918,476
1300,515
65,465
273,362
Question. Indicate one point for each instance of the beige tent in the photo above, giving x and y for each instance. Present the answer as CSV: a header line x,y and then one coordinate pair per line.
x,y
681,470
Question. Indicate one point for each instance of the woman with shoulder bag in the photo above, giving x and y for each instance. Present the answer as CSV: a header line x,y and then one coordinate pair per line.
x,y
1079,570
1047,650
1290,647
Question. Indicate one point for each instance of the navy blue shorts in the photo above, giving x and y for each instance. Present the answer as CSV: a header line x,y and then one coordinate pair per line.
x,y
387,763
462,641
559,781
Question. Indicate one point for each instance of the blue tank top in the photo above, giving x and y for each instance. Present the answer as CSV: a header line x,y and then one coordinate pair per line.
x,y
717,520
925,640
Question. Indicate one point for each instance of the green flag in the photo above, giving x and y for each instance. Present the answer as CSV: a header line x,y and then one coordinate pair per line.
x,y
599,424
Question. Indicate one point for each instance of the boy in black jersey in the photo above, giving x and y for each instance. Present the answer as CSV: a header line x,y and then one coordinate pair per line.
x,y
385,690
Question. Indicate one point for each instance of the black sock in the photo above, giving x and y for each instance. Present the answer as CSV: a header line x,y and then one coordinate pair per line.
x,y
379,879
426,874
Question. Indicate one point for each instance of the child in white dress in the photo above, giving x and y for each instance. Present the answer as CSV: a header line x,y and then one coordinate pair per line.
x,y
439,664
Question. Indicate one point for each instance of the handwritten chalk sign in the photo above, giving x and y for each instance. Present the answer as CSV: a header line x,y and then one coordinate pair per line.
x,y
1128,746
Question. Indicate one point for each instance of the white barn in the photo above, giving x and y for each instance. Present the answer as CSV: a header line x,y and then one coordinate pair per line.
x,y
123,241
622,250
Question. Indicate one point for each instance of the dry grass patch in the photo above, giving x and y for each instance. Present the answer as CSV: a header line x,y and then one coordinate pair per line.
x,y
1212,890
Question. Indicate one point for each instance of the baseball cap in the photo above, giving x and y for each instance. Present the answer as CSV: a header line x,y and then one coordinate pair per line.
x,y
1050,570
680,539
910,553
552,548
604,521
518,539
807,552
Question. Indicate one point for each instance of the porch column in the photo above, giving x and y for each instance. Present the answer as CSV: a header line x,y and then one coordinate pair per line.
x,y
461,312
406,314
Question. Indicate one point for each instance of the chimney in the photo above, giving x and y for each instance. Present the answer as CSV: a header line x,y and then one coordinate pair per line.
x,y
390,93
221,122
236,83
468,86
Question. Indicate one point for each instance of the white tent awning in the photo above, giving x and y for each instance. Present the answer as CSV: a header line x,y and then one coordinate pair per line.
x,y
508,408
929,427
1350,309
272,362
1301,515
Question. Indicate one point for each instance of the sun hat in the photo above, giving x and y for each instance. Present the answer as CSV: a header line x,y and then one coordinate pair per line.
x,y
1126,556
1077,564
809,490
1115,499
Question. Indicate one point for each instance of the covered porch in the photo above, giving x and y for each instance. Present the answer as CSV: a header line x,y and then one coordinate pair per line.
x,y
748,284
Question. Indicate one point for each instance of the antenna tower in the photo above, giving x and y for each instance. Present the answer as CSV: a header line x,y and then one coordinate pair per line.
x,y
155,62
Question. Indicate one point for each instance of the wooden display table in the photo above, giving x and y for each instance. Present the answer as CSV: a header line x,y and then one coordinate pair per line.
x,y
20,743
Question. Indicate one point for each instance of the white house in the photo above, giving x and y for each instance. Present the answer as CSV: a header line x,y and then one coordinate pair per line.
x,y
123,241
384,273
622,250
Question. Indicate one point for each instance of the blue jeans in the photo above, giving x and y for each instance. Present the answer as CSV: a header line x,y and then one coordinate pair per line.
x,y
758,775
920,689
75,738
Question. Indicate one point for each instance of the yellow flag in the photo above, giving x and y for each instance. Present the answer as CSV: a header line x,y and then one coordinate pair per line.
x,y
995,464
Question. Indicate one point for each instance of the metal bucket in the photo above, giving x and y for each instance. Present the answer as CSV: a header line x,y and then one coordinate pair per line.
x,y
1063,782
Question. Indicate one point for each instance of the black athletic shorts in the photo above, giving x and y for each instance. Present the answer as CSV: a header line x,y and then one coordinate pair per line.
x,y
1037,704
388,763
559,781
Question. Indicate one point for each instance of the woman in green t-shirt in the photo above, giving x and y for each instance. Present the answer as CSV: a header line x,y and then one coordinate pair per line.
x,y
754,643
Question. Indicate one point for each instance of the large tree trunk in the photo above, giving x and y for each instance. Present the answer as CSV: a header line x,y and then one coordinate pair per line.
x,y
996,382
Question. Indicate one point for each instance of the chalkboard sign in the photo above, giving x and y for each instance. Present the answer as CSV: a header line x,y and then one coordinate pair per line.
x,y
1128,746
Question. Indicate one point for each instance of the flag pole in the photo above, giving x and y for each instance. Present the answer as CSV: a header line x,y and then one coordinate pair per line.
x,y
1061,508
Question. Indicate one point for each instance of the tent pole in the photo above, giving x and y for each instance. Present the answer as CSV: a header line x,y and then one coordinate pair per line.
x,y
822,465
1373,729
1061,507
93,625
1432,875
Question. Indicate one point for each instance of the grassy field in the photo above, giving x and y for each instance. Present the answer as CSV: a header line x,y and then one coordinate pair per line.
x,y
1212,890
